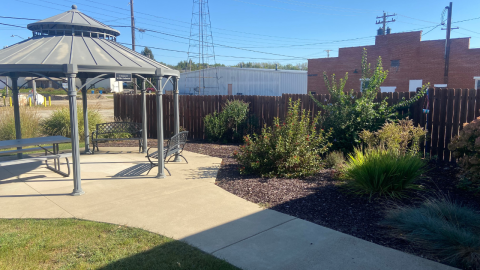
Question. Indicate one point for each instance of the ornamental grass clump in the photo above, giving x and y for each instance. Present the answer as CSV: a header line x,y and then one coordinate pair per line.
x,y
401,136
383,172
29,121
287,149
447,230
58,123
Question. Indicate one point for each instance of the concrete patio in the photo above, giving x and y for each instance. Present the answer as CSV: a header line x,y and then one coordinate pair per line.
x,y
188,206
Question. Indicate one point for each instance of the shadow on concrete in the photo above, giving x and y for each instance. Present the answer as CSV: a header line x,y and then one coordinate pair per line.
x,y
136,170
23,179
34,195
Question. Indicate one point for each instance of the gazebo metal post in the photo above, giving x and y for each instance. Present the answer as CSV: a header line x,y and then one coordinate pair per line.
x,y
144,118
176,114
72,102
16,110
161,161
85,116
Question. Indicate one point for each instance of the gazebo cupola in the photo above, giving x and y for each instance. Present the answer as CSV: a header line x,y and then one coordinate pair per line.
x,y
72,23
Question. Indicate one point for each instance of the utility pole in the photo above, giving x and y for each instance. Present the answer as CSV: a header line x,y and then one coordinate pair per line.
x,y
133,41
328,53
384,21
448,42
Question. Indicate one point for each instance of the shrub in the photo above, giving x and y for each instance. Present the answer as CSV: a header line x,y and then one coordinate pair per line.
x,y
402,136
445,229
215,126
291,149
29,121
228,125
383,172
59,122
334,159
348,115
466,148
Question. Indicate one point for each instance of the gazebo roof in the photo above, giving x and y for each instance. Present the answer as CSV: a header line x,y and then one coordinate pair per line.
x,y
76,39
69,19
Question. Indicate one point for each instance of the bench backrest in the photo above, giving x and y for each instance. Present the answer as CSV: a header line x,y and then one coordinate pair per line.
x,y
134,129
176,143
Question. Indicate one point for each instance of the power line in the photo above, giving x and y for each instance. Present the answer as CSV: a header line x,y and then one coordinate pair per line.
x,y
326,7
13,25
184,22
467,20
255,4
229,56
19,18
434,27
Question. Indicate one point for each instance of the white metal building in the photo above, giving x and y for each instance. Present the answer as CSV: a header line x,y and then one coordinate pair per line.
x,y
244,81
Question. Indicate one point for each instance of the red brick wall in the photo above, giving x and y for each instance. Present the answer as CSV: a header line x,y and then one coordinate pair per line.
x,y
419,60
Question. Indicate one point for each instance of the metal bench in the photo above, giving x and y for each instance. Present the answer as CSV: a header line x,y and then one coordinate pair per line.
x,y
105,131
174,147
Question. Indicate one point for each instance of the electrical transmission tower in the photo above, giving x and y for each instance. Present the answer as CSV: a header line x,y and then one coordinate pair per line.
x,y
202,51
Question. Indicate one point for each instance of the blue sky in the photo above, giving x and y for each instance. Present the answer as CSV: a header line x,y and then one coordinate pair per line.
x,y
285,31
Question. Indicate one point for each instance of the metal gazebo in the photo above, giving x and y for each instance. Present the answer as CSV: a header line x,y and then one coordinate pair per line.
x,y
74,45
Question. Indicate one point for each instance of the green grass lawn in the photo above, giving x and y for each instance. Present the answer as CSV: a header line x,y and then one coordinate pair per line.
x,y
80,244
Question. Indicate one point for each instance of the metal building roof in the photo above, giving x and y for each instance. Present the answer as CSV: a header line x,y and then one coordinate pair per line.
x,y
72,18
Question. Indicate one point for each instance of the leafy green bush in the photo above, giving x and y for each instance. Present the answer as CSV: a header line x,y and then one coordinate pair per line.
x,y
59,122
215,126
228,125
402,136
466,148
334,160
445,229
383,172
291,149
29,121
348,115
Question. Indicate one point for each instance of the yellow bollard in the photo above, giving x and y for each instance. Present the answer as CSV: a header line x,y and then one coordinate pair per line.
x,y
50,101
45,101
29,102
11,102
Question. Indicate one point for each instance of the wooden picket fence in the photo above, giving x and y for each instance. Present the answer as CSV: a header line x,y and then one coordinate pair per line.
x,y
449,110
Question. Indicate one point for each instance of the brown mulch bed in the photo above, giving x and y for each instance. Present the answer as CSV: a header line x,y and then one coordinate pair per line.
x,y
321,199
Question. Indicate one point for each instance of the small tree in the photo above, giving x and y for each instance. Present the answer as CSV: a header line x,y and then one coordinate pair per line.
x,y
229,124
148,53
348,115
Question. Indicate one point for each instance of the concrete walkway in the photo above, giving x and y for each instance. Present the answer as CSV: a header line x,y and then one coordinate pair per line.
x,y
188,206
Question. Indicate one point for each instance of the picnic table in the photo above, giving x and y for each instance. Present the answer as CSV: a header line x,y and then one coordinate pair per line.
x,y
51,152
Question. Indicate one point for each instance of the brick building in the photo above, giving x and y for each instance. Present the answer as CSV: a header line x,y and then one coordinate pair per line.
x,y
410,62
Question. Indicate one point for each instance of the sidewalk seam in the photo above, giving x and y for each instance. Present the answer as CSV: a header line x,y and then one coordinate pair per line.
x,y
253,235
49,200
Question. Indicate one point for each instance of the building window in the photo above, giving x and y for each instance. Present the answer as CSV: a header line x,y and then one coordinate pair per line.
x,y
395,63
364,84
477,82
313,93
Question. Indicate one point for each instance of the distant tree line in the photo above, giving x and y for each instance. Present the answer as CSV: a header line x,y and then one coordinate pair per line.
x,y
185,65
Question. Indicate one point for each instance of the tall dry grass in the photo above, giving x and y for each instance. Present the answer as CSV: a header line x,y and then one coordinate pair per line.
x,y
30,121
